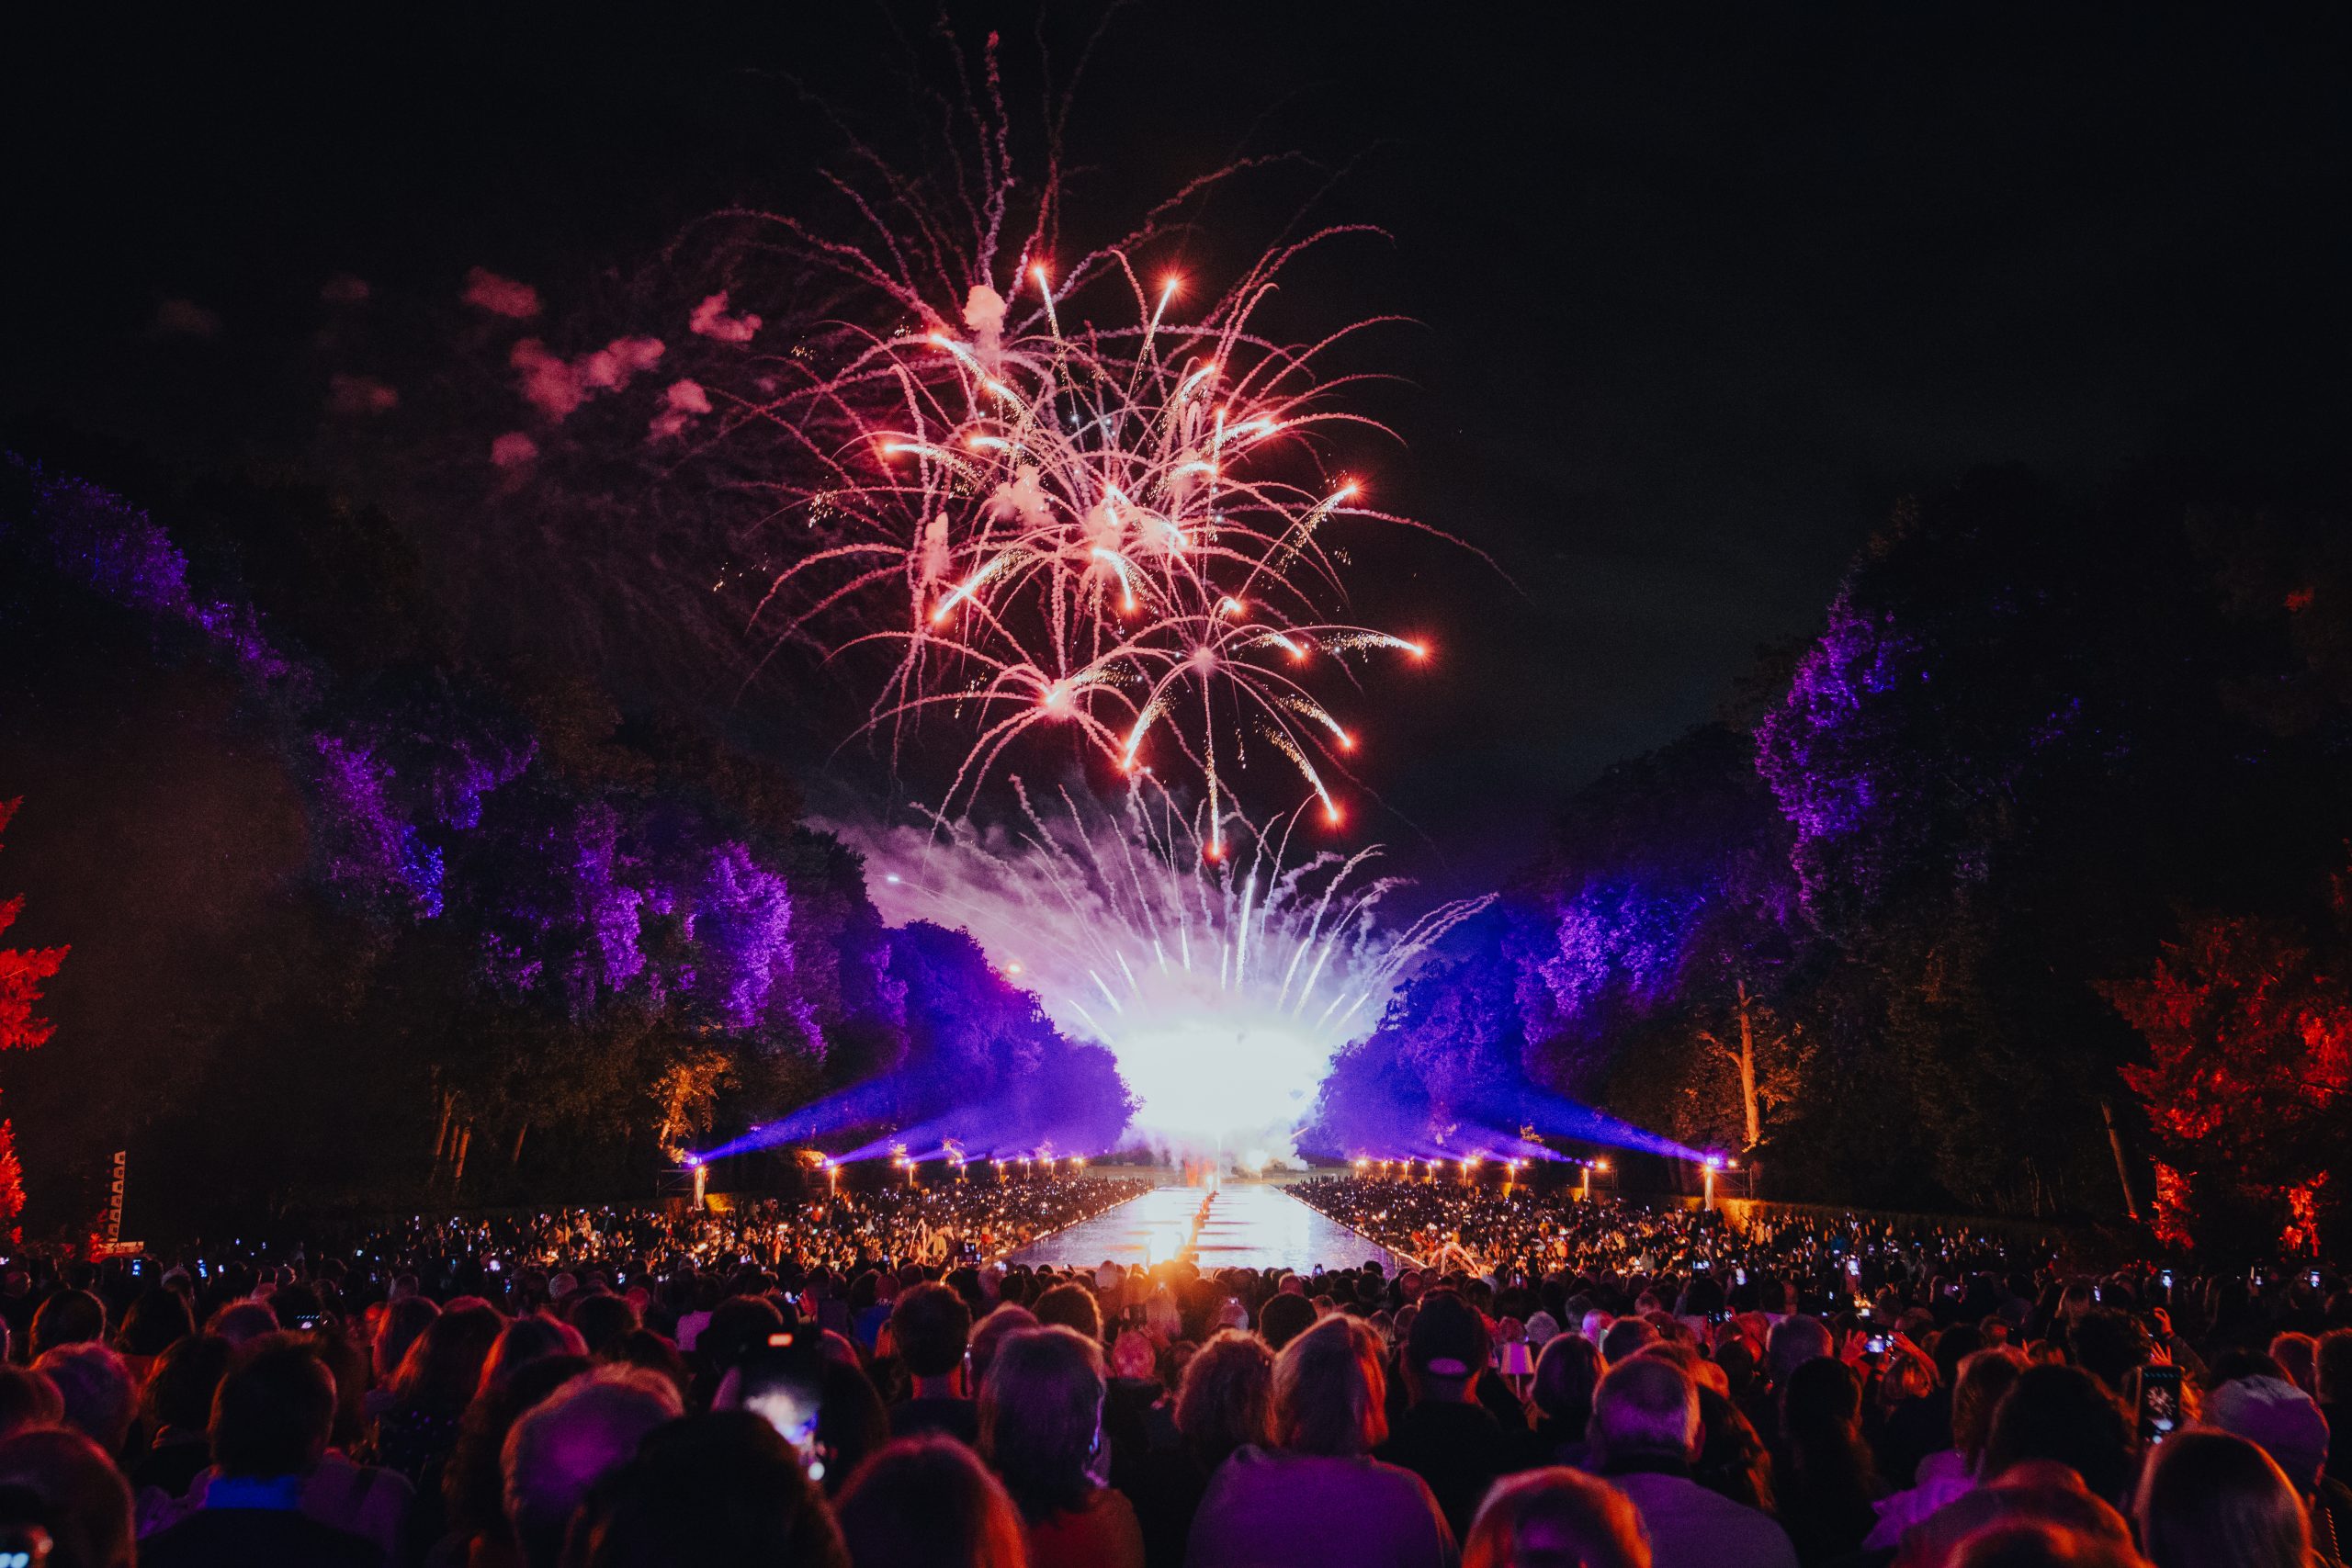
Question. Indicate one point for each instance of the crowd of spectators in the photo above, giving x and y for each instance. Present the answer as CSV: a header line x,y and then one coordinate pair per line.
x,y
640,1389
943,1222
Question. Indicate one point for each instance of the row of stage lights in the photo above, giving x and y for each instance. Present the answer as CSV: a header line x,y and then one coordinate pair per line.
x,y
1468,1165
1040,1165
1710,1166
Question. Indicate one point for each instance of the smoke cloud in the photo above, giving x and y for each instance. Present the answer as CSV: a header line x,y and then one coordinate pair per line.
x,y
710,320
501,296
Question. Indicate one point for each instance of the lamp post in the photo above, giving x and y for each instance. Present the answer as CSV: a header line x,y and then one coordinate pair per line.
x,y
1715,1163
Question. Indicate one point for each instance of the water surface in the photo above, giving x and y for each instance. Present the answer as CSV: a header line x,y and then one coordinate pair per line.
x,y
1250,1225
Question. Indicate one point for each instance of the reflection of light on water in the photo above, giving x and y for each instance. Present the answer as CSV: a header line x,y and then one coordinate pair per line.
x,y
1250,1225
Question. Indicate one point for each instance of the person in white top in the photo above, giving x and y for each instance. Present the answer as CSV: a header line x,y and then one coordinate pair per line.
x,y
1644,1435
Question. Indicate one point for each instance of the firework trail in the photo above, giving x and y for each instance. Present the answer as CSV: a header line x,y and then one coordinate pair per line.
x,y
1224,989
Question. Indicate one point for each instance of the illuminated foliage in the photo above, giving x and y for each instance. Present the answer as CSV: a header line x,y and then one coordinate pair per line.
x,y
22,970
2249,1055
547,941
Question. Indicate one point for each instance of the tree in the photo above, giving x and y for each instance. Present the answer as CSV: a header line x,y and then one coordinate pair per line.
x,y
1766,1056
2249,1060
983,1062
22,970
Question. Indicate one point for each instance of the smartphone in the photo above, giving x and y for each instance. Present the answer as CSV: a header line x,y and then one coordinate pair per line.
x,y
2164,1278
782,1379
309,1322
495,1266
1876,1344
2314,1279
1739,1276
2159,1403
1854,1267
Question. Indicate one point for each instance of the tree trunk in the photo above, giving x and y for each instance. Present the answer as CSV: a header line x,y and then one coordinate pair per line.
x,y
520,1133
464,1142
441,1138
1747,1070
2122,1170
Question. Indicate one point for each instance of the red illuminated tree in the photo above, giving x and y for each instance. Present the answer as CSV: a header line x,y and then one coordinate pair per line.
x,y
22,970
2245,1086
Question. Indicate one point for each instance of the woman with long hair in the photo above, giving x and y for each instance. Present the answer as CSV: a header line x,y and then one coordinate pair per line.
x,y
1227,1399
1984,1376
1826,1480
1041,1431
437,1378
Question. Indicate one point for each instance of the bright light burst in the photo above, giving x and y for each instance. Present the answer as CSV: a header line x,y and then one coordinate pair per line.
x,y
1224,989
1123,534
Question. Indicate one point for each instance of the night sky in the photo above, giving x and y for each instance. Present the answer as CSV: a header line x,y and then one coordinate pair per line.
x,y
1701,289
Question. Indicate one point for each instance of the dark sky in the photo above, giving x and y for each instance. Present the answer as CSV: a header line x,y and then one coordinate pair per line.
x,y
1701,288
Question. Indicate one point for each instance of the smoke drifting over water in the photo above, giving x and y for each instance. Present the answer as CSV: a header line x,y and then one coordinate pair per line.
x,y
1224,985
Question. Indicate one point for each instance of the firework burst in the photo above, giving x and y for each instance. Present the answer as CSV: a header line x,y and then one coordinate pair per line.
x,y
1123,531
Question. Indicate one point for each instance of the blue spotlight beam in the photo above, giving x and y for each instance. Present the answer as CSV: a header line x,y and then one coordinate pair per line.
x,y
984,1130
